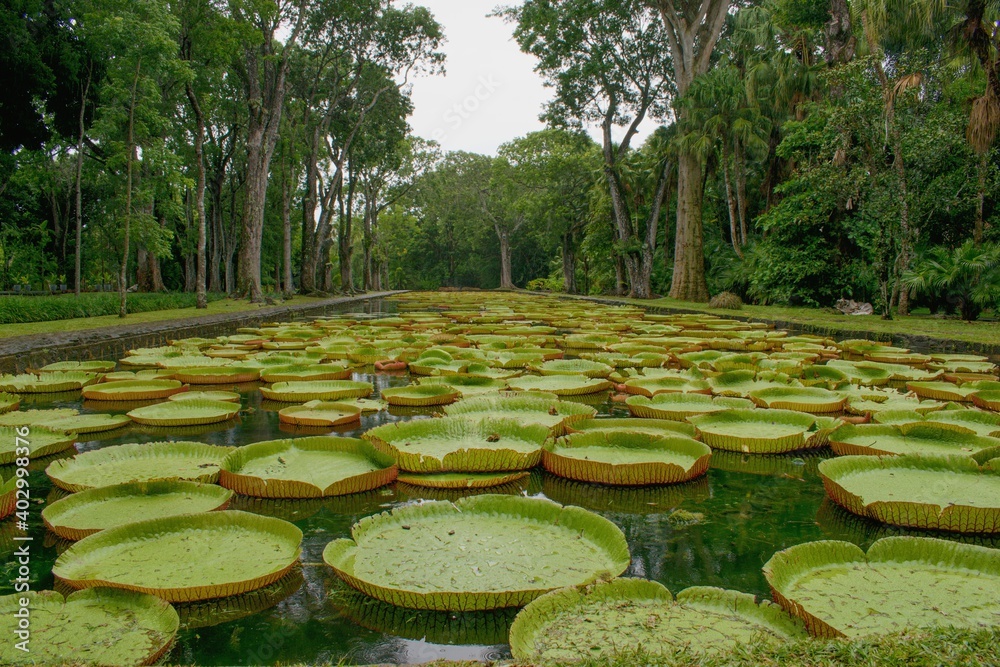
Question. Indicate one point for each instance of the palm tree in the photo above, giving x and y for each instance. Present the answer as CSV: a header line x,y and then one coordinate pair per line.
x,y
967,277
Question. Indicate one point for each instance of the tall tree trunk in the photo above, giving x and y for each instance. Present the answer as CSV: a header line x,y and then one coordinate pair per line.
x,y
130,144
739,169
569,263
286,223
840,40
734,235
906,233
506,281
689,283
977,232
199,197
345,249
620,287
307,272
78,260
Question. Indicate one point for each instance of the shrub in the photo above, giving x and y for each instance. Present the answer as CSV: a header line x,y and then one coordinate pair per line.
x,y
967,277
24,309
726,300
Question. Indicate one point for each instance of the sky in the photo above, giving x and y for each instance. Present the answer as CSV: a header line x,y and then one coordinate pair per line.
x,y
490,93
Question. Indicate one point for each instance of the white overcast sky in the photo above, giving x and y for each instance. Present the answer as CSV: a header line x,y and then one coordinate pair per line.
x,y
490,93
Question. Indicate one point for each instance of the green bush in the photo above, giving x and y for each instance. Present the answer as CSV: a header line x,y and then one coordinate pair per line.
x,y
24,309
967,277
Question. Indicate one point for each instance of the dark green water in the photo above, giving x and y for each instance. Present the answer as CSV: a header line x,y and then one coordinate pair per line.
x,y
731,522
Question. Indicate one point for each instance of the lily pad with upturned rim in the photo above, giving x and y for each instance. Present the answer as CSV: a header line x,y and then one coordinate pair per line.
x,y
526,408
82,366
461,480
591,369
560,385
662,427
83,423
461,444
185,413
217,375
460,557
9,402
320,413
628,615
420,395
924,438
678,407
99,626
87,512
901,583
987,400
759,431
211,395
467,385
40,442
120,464
47,383
626,459
184,558
928,492
326,390
314,467
654,386
306,373
941,391
813,400
133,390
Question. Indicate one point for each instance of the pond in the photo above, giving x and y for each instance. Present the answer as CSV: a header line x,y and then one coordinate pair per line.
x,y
715,531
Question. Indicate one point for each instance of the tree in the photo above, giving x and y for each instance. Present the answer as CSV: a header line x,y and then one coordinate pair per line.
x,y
607,61
693,28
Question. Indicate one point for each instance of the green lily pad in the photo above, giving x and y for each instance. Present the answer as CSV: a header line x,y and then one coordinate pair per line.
x,y
8,496
461,444
84,423
185,413
629,615
47,383
592,369
987,400
660,427
902,583
306,373
461,480
327,390
420,395
217,375
99,626
466,385
921,439
152,462
9,402
739,384
306,468
40,442
759,431
813,400
653,386
81,514
678,407
132,390
626,459
213,395
968,421
941,391
319,413
560,385
928,492
83,366
184,558
526,408
482,552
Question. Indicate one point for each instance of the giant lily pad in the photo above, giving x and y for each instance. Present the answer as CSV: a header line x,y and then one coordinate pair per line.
x,y
318,413
99,626
968,421
461,480
630,615
759,431
929,492
482,552
82,366
306,468
813,400
941,391
217,375
212,395
185,413
9,402
40,442
901,583
626,459
91,511
592,369
527,408
132,390
466,385
306,373
678,407
661,427
8,496
47,383
420,395
84,423
652,386
987,400
925,438
153,462
461,444
327,390
560,385
184,558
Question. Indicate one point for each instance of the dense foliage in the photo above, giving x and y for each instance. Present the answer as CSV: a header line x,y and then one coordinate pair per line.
x,y
807,151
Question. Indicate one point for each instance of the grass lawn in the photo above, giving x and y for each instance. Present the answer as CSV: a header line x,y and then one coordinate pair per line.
x,y
80,324
915,325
